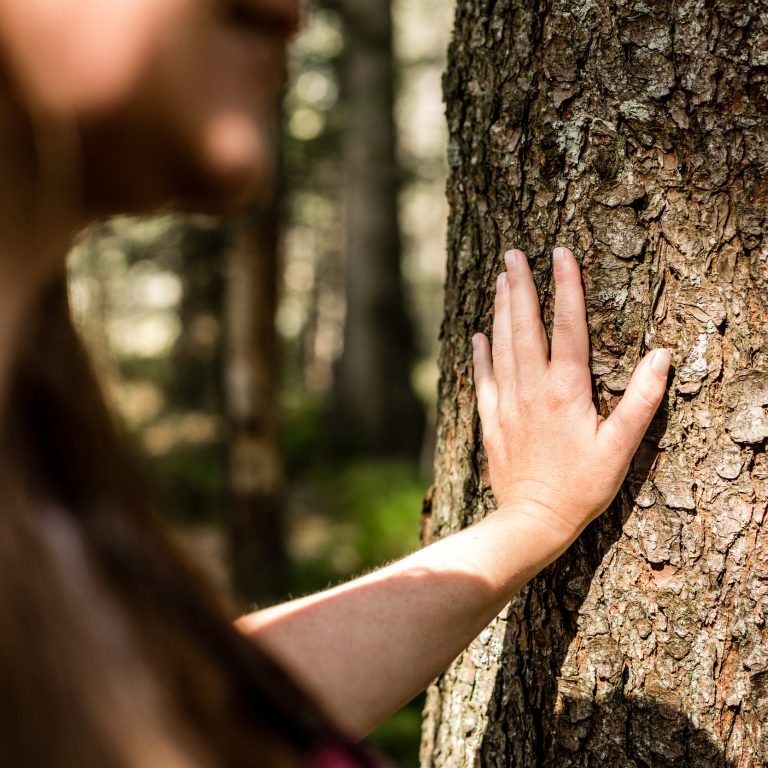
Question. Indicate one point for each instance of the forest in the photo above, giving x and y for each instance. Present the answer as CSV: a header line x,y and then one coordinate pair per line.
x,y
307,415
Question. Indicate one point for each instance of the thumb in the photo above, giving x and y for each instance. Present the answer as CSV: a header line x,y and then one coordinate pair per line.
x,y
625,427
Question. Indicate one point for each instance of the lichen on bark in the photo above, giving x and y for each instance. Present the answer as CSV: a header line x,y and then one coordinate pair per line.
x,y
635,132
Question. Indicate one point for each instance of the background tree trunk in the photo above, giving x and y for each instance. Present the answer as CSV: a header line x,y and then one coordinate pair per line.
x,y
195,383
375,409
257,541
634,132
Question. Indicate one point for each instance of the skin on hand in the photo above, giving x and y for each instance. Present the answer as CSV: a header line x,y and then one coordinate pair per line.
x,y
550,453
555,464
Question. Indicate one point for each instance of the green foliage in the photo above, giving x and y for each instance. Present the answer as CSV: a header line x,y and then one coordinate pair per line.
x,y
385,497
347,518
399,736
189,482
304,416
361,514
353,517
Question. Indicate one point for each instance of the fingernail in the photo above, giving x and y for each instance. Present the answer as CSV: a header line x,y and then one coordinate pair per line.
x,y
514,258
501,281
559,255
475,340
661,361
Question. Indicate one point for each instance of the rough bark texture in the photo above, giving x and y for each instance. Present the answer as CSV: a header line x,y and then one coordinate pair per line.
x,y
375,408
634,131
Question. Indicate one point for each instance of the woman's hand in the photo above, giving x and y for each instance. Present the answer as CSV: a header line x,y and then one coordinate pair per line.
x,y
550,454
364,648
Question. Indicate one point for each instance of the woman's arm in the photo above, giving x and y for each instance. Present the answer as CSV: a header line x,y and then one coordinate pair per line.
x,y
365,648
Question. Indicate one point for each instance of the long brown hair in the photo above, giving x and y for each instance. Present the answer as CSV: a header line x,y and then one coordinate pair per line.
x,y
112,649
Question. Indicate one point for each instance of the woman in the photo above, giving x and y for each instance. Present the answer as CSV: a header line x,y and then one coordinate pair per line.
x,y
112,652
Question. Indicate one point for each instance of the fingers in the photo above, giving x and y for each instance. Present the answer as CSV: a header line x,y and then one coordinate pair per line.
x,y
485,382
528,336
503,358
570,336
622,432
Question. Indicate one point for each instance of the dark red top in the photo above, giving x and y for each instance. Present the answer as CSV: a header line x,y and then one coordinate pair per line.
x,y
344,755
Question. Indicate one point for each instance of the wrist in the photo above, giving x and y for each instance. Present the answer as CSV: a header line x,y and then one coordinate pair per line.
x,y
547,532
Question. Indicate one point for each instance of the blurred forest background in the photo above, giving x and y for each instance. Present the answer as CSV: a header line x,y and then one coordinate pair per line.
x,y
276,371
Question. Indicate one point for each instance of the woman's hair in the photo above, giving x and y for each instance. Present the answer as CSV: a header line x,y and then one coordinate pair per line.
x,y
113,652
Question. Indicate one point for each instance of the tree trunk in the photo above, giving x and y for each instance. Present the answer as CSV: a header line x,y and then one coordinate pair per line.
x,y
375,408
635,132
256,481
195,383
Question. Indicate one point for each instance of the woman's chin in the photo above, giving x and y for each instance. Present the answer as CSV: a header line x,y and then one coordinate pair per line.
x,y
238,163
230,168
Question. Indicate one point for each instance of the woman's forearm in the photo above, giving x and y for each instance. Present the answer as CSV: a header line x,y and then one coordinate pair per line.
x,y
367,647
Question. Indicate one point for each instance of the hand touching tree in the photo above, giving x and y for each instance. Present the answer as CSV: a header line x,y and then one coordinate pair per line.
x,y
366,647
549,452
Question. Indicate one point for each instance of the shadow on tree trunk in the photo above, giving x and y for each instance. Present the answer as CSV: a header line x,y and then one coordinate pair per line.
x,y
557,136
572,722
572,728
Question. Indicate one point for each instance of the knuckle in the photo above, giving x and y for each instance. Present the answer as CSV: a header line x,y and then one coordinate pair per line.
x,y
565,323
527,399
509,416
481,373
647,398
522,325
614,436
614,445
490,438
561,393
506,420
568,277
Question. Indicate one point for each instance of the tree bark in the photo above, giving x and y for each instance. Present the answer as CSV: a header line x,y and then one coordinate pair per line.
x,y
375,409
635,132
